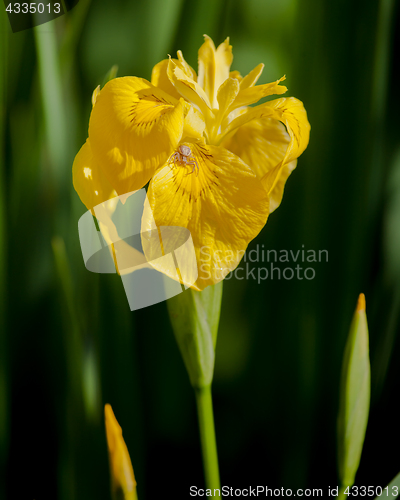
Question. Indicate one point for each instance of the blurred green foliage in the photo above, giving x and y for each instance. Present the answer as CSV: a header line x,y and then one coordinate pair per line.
x,y
68,342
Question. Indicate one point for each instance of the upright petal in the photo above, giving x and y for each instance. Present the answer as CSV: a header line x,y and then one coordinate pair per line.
x,y
159,78
226,95
89,181
262,144
207,69
251,94
159,75
133,129
224,206
188,88
214,66
223,61
185,67
251,79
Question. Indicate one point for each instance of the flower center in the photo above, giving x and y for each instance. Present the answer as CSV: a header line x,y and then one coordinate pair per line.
x,y
199,162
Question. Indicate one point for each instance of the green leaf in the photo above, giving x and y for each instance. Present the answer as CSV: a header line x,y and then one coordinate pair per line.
x,y
195,318
112,73
354,396
393,488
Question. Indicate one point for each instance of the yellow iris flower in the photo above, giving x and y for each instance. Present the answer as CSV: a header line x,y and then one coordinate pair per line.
x,y
216,165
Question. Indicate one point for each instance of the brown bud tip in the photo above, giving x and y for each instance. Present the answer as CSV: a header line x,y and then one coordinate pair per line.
x,y
361,302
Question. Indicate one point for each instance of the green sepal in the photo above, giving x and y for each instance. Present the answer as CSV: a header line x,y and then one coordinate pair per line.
x,y
195,318
354,397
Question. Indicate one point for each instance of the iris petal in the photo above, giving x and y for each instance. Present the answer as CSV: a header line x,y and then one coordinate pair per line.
x,y
262,144
223,205
159,75
89,181
251,94
251,79
290,111
214,65
188,88
133,129
292,114
159,78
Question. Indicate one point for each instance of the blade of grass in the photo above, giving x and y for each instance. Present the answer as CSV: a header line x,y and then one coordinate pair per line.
x,y
75,23
52,99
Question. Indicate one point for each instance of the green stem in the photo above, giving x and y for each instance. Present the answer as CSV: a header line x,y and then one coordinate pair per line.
x,y
342,493
207,437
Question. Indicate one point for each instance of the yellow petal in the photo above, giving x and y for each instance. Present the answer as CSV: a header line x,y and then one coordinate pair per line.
x,y
185,67
251,94
122,476
187,87
292,114
262,144
290,111
251,79
235,74
223,62
96,92
133,129
226,95
276,193
194,124
89,181
214,65
126,258
159,78
222,203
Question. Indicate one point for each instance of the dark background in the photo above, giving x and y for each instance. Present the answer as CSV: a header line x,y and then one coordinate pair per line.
x,y
68,341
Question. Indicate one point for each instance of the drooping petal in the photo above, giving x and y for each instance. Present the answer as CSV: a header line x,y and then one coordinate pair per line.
x,y
292,114
133,129
89,181
290,111
222,203
276,193
214,66
262,144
